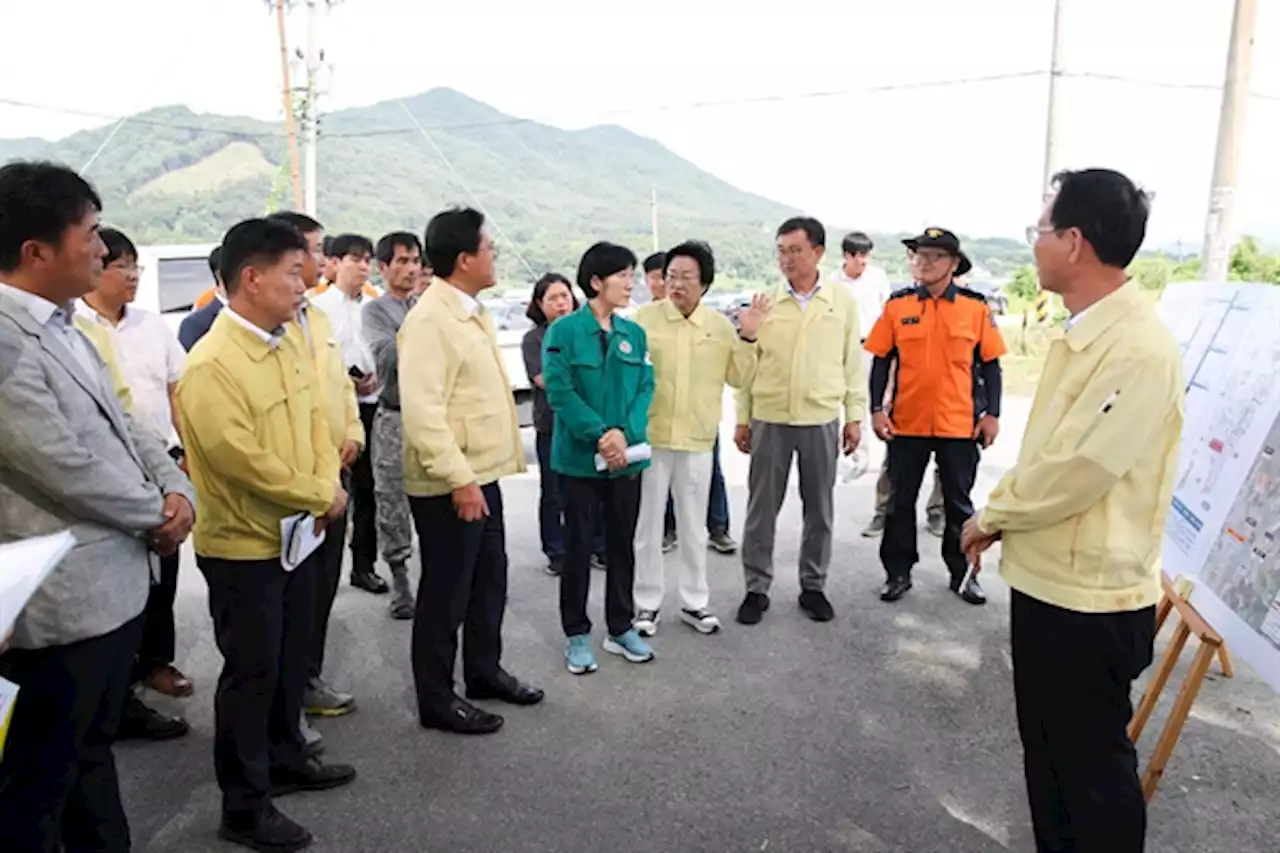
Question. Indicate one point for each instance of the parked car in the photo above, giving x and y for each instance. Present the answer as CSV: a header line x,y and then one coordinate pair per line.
x,y
996,297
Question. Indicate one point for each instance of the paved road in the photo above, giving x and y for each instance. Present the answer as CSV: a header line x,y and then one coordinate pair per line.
x,y
890,729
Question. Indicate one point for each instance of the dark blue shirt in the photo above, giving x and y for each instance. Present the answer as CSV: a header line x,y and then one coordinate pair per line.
x,y
197,324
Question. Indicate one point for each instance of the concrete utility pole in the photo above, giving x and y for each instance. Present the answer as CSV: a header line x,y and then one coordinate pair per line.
x,y
313,60
1053,123
1235,98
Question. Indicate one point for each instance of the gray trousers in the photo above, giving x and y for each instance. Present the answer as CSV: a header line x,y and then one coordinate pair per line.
x,y
395,523
772,447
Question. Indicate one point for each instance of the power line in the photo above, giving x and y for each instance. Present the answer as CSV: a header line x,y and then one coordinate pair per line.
x,y
467,189
622,111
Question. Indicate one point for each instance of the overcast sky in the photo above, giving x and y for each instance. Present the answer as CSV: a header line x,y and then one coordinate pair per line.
x,y
967,157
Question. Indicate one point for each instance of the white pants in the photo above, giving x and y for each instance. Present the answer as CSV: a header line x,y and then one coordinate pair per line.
x,y
687,476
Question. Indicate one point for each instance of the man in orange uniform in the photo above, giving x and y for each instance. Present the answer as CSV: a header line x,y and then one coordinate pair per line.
x,y
946,402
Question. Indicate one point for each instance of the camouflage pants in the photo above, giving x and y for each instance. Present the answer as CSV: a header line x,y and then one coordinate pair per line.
x,y
395,524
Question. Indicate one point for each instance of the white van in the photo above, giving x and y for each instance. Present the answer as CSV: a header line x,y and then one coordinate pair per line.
x,y
172,278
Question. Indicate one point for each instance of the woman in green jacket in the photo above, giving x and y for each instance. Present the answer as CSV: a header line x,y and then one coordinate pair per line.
x,y
599,382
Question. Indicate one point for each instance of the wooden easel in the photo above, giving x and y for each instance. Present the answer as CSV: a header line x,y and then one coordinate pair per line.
x,y
1211,646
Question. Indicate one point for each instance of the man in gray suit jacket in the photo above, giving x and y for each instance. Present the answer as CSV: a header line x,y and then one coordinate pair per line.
x,y
70,458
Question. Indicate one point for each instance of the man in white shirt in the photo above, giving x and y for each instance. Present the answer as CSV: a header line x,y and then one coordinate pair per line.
x,y
871,289
150,359
343,301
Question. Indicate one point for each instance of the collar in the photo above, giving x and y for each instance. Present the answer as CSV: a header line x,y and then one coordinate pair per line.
x,y
949,294
673,315
1092,322
459,304
270,339
469,304
128,316
358,298
37,306
818,292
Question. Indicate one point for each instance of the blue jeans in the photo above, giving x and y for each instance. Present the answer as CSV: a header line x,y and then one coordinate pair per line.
x,y
717,506
551,504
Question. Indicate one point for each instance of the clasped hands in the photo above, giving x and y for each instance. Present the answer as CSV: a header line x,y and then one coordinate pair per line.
x,y
613,447
179,516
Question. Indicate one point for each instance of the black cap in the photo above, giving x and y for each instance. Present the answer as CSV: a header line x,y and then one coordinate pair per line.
x,y
940,238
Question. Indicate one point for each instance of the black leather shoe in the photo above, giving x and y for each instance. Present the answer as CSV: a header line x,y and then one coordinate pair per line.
x,y
894,589
266,830
461,718
971,593
752,609
138,722
816,605
310,775
370,581
506,688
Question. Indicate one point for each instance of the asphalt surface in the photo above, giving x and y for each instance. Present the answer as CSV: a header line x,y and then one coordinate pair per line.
x,y
890,729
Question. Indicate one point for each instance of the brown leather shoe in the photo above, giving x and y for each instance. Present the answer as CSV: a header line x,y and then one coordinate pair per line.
x,y
170,681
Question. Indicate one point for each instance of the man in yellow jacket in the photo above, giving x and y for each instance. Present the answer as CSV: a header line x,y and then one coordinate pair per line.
x,y
461,435
315,335
1081,516
809,368
260,451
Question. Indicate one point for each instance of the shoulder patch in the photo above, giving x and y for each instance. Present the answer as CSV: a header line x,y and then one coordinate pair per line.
x,y
971,294
899,294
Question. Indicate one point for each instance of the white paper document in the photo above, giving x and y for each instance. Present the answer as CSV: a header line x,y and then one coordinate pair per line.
x,y
298,539
635,453
24,565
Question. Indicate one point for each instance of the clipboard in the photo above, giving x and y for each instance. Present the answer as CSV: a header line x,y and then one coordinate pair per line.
x,y
298,539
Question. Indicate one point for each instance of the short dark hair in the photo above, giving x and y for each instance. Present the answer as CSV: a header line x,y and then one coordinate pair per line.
x,y
256,241
657,262
350,244
305,224
700,252
856,243
39,201
601,261
811,227
386,249
215,263
118,246
534,312
326,246
452,233
1108,208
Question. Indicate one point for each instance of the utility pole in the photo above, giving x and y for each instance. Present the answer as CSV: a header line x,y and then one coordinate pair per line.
x,y
312,61
290,128
653,210
1053,127
1235,97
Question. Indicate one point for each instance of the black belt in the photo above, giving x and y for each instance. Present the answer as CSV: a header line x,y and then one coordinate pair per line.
x,y
389,407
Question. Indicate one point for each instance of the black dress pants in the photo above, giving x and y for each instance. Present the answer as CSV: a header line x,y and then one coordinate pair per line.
x,y
58,784
586,500
159,638
262,624
364,502
1072,674
957,468
463,585
328,577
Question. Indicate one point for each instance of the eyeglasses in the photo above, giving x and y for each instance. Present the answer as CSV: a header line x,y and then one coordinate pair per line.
x,y
927,258
687,278
128,269
1034,232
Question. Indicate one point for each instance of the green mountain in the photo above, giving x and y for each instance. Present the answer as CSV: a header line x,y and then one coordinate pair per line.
x,y
172,176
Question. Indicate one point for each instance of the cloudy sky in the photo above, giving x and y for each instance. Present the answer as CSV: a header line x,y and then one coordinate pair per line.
x,y
794,101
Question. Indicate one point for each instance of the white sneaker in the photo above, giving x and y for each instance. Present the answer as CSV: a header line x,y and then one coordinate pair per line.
x,y
701,621
646,623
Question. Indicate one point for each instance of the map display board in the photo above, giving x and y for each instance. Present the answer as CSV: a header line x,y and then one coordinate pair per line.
x,y
1223,530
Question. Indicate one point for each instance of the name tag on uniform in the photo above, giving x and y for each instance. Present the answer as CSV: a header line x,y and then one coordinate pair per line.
x,y
910,321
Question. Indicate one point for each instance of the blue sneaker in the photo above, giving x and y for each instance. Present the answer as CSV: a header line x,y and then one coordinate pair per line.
x,y
578,656
631,646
